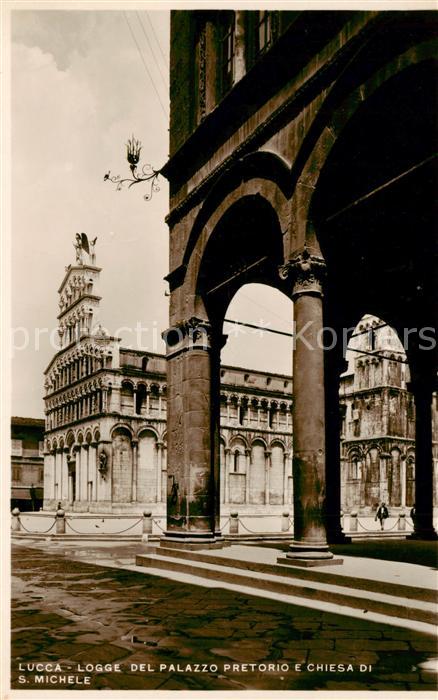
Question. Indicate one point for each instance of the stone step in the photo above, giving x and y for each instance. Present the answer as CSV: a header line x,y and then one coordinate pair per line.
x,y
343,596
76,537
395,589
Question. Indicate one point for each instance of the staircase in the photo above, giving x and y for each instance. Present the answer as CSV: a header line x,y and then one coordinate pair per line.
x,y
263,572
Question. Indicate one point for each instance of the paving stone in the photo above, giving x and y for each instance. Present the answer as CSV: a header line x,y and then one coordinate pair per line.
x,y
425,645
370,644
335,657
189,624
309,644
401,677
103,653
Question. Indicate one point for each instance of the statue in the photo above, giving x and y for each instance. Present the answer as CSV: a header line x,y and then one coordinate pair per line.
x,y
78,248
103,464
83,244
92,253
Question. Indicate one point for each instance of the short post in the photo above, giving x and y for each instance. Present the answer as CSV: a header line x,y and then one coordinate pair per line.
x,y
234,523
353,521
147,525
285,522
401,525
60,521
16,525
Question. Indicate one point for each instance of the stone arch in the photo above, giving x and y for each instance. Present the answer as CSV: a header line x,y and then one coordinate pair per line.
x,y
121,464
333,116
276,472
261,172
393,476
121,427
238,446
147,465
127,397
257,472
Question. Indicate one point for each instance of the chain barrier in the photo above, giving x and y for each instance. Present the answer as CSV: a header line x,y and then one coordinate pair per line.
x,y
36,532
158,525
106,533
374,530
225,523
291,522
253,532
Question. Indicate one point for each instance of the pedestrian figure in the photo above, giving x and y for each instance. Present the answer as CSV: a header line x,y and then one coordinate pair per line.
x,y
381,515
413,514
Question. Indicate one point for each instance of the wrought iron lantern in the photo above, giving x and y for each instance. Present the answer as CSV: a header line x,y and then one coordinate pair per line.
x,y
146,174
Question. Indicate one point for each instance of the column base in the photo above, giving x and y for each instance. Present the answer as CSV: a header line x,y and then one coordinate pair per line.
x,y
192,540
307,550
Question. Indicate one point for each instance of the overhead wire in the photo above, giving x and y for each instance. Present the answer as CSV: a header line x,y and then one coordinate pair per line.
x,y
145,65
291,335
157,40
163,77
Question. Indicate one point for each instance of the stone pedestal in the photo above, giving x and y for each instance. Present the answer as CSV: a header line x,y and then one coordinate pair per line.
x,y
193,457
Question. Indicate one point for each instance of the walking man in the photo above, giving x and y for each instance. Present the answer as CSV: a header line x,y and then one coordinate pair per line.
x,y
381,515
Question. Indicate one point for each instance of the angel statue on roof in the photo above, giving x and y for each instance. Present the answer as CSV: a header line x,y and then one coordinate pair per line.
x,y
82,244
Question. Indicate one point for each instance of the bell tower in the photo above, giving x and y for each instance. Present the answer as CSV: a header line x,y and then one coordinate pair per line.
x,y
78,300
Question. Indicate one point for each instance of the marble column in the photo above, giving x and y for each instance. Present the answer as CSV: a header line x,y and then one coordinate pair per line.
x,y
247,475
285,478
159,469
134,470
267,474
305,272
227,469
193,358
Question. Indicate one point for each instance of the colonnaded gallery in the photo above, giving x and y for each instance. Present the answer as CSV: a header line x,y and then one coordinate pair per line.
x,y
105,441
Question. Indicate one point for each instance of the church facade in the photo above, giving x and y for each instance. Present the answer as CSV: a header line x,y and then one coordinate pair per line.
x,y
105,405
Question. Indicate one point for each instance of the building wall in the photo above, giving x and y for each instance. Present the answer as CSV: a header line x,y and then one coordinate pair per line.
x,y
27,463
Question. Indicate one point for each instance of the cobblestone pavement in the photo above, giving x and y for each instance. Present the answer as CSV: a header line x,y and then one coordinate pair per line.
x,y
74,614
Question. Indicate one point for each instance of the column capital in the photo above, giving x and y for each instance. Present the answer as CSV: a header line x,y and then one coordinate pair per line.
x,y
191,334
306,272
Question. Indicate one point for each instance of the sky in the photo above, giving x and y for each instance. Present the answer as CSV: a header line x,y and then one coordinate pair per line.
x,y
82,82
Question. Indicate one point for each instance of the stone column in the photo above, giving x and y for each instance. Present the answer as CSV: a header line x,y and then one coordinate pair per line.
x,y
134,470
63,475
305,271
227,469
267,474
159,469
104,399
285,478
423,528
148,399
193,357
78,473
403,481
93,469
247,476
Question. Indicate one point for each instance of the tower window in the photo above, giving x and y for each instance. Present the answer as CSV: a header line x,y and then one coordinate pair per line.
x,y
266,30
227,54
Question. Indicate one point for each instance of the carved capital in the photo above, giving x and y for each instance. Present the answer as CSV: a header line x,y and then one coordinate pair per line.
x,y
306,273
193,334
